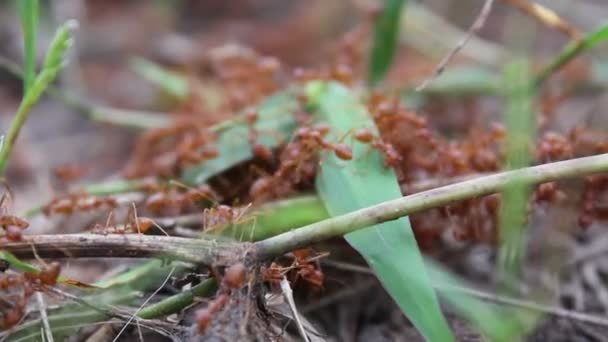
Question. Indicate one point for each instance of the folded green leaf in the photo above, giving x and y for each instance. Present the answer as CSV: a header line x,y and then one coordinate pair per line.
x,y
386,37
276,122
389,248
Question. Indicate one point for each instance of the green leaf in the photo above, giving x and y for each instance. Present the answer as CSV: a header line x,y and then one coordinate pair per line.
x,y
386,37
571,51
520,124
389,248
28,11
276,122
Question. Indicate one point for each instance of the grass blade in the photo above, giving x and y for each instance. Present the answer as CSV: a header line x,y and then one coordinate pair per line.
x,y
278,217
571,51
497,323
389,248
386,37
275,123
28,11
53,63
170,82
520,124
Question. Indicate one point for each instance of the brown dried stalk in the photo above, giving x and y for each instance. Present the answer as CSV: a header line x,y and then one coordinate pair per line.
x,y
202,251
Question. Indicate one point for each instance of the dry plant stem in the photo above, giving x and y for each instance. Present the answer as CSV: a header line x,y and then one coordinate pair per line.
x,y
390,210
203,251
477,25
546,17
48,333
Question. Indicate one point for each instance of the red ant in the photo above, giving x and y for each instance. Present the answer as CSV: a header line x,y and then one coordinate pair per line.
x,y
205,315
303,266
366,136
12,225
223,216
258,150
234,277
133,224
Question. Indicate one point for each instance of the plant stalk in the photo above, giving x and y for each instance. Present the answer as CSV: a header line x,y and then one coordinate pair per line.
x,y
394,209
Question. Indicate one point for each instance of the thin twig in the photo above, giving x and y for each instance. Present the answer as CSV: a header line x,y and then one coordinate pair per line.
x,y
393,209
46,327
288,295
144,304
477,25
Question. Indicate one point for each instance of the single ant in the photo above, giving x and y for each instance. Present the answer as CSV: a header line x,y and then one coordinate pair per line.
x,y
234,278
366,136
219,217
206,314
257,149
133,224
12,225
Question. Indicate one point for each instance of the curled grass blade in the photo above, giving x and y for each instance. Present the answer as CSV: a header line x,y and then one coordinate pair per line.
x,y
389,248
385,40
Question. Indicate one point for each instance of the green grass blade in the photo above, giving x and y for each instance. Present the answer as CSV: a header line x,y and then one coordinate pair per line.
x,y
520,124
170,82
278,217
571,51
275,125
385,41
389,248
495,322
53,63
28,11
